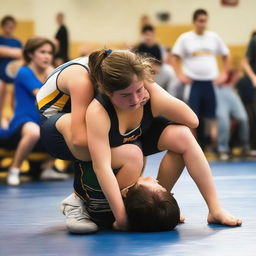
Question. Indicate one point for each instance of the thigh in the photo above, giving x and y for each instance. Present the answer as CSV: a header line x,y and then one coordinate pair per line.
x,y
125,153
176,138
63,126
53,140
149,141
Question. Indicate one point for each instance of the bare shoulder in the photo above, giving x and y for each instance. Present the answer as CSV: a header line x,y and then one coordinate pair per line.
x,y
97,113
73,75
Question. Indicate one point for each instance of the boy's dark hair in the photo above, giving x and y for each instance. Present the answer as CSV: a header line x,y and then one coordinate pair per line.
x,y
147,28
151,211
199,12
7,19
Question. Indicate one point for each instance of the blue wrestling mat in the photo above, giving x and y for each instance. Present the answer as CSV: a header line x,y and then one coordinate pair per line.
x,y
31,223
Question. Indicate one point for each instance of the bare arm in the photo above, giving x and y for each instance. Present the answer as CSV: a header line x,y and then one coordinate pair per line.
x,y
170,107
225,68
176,64
98,142
248,70
81,93
10,52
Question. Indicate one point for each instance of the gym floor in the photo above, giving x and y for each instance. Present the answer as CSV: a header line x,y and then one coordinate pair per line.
x,y
31,223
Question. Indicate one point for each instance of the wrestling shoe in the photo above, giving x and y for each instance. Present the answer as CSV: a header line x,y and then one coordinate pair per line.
x,y
51,174
77,219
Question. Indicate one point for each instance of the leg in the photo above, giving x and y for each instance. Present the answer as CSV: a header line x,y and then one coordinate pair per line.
x,y
170,169
2,98
223,121
63,125
179,139
128,160
30,134
238,112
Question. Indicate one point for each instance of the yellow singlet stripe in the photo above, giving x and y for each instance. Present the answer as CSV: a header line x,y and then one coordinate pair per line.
x,y
48,98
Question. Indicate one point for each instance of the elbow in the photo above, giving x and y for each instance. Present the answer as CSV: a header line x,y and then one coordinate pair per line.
x,y
194,122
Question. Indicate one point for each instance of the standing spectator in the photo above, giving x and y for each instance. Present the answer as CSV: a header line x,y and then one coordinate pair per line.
x,y
231,106
62,41
165,75
149,45
10,50
197,51
247,86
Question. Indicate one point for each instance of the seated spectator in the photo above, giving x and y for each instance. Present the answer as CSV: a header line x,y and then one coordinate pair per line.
x,y
24,126
10,50
229,106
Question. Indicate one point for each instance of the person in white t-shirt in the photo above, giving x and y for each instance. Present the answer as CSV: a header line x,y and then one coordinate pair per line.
x,y
194,61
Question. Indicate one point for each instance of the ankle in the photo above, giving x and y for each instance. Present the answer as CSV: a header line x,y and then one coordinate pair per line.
x,y
14,170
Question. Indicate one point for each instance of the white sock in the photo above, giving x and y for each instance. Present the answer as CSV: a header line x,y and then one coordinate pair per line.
x,y
14,170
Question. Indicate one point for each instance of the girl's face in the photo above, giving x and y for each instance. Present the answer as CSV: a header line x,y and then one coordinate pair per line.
x,y
42,56
129,98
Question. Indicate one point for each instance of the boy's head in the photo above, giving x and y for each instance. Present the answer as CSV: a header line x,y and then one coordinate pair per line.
x,y
148,35
200,20
8,24
150,207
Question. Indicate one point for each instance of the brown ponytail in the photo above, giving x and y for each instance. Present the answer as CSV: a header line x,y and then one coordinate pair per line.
x,y
113,71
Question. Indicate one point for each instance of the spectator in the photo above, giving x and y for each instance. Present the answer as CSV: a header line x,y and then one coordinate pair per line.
x,y
165,75
10,50
230,106
197,51
62,41
247,86
24,128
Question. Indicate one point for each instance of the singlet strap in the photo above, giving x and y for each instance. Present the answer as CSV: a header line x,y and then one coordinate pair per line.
x,y
106,103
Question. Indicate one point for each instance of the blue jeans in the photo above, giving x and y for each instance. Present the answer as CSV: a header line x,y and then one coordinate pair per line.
x,y
229,105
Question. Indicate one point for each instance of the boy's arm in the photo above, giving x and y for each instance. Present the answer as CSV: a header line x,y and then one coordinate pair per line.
x,y
176,64
10,52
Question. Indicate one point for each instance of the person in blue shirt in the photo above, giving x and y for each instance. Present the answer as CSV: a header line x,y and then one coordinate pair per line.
x,y
24,126
10,52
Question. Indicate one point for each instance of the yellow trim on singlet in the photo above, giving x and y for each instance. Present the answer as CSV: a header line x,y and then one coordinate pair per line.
x,y
60,103
48,98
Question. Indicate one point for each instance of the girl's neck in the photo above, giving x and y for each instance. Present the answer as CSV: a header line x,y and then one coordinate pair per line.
x,y
39,72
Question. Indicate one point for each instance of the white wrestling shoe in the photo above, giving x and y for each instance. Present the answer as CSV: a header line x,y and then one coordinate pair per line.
x,y
77,219
51,174
13,178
